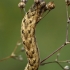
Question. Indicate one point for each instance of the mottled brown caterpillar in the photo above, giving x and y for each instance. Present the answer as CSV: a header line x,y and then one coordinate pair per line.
x,y
29,22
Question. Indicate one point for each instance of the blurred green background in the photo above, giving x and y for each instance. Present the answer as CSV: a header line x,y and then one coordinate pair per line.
x,y
50,34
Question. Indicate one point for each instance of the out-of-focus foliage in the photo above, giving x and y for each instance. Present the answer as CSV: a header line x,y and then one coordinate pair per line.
x,y
50,34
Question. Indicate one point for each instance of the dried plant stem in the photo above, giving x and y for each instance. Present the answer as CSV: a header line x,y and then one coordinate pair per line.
x,y
67,32
58,62
11,56
5,58
67,13
65,61
53,53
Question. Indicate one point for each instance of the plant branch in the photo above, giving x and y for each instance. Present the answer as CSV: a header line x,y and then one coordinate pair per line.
x,y
66,42
55,51
53,62
67,13
5,58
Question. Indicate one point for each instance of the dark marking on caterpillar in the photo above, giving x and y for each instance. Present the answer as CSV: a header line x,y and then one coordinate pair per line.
x,y
29,31
24,42
22,31
27,53
30,63
30,41
28,67
34,61
32,68
30,21
30,56
33,52
24,20
27,13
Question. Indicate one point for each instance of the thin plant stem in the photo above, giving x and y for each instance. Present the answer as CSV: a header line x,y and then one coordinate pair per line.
x,y
15,49
53,62
67,12
53,52
59,65
65,61
16,46
46,14
5,58
67,32
67,23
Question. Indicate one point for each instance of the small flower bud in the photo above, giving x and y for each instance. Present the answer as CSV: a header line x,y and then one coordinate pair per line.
x,y
22,49
68,21
68,62
67,2
21,5
56,59
13,55
58,54
24,1
19,43
36,1
20,58
50,6
66,67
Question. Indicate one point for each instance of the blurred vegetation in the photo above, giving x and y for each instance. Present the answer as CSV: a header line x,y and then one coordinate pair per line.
x,y
50,34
